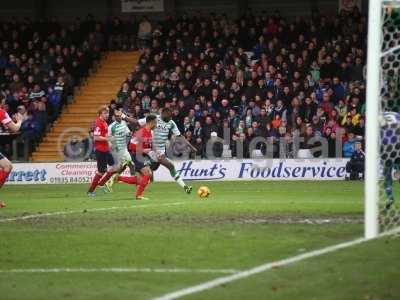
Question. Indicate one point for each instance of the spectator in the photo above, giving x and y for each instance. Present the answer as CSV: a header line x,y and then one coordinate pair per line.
x,y
357,71
208,128
355,167
23,113
296,77
217,145
349,144
31,129
331,138
145,29
41,68
342,110
54,100
359,130
123,95
339,90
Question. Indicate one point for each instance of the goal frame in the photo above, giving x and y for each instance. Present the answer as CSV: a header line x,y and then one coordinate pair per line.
x,y
371,188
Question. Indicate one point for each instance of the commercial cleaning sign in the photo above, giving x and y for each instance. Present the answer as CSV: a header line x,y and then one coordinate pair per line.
x,y
218,170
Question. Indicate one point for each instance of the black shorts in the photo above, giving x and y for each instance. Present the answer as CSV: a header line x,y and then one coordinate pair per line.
x,y
2,156
103,159
140,161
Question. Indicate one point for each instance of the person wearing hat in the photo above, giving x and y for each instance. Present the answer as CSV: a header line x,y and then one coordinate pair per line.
x,y
355,166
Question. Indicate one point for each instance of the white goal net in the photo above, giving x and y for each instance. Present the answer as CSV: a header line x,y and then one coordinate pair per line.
x,y
389,150
382,207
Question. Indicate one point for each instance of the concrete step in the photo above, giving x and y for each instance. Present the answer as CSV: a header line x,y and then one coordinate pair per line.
x,y
77,119
91,99
89,104
37,157
93,80
98,89
63,129
97,92
79,132
48,147
78,110
58,140
82,114
53,152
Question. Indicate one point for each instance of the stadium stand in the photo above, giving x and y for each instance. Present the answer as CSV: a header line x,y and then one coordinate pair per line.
x,y
79,115
258,76
41,64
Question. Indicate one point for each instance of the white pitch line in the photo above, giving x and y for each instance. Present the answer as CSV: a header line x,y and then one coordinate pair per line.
x,y
57,213
120,270
265,267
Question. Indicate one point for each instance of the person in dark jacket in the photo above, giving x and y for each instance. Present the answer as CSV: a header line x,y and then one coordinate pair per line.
x,y
355,166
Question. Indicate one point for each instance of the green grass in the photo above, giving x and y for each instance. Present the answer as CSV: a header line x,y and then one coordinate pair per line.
x,y
242,224
367,271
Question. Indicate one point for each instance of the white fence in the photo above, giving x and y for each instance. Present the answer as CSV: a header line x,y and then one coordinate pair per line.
x,y
218,170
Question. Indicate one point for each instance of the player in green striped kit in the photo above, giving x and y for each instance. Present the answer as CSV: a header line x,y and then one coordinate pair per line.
x,y
120,132
166,126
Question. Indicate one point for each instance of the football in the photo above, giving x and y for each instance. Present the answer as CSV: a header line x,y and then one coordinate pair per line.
x,y
203,192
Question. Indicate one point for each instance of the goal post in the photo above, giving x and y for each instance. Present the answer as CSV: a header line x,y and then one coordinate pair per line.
x,y
372,116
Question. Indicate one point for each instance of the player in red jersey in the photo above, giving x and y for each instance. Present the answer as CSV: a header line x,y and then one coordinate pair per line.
x,y
102,151
140,148
5,164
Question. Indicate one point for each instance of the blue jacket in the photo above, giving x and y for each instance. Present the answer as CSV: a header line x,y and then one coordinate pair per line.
x,y
348,148
339,92
319,92
54,98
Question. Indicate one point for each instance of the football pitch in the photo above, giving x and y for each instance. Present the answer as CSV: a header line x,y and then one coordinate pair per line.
x,y
56,243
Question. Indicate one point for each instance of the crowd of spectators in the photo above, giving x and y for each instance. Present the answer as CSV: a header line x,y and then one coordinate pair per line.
x,y
40,64
259,76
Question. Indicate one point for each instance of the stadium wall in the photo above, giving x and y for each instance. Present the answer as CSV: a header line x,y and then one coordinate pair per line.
x,y
212,170
68,10
21,8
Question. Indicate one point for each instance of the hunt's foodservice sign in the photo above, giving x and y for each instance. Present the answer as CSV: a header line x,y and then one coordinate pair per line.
x,y
213,170
137,6
261,169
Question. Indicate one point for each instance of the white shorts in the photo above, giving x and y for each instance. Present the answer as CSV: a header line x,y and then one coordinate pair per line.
x,y
155,154
121,157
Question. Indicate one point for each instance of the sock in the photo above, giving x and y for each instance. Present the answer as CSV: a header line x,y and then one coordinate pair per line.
x,y
105,178
95,182
128,179
389,193
180,181
143,182
177,178
3,177
113,179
